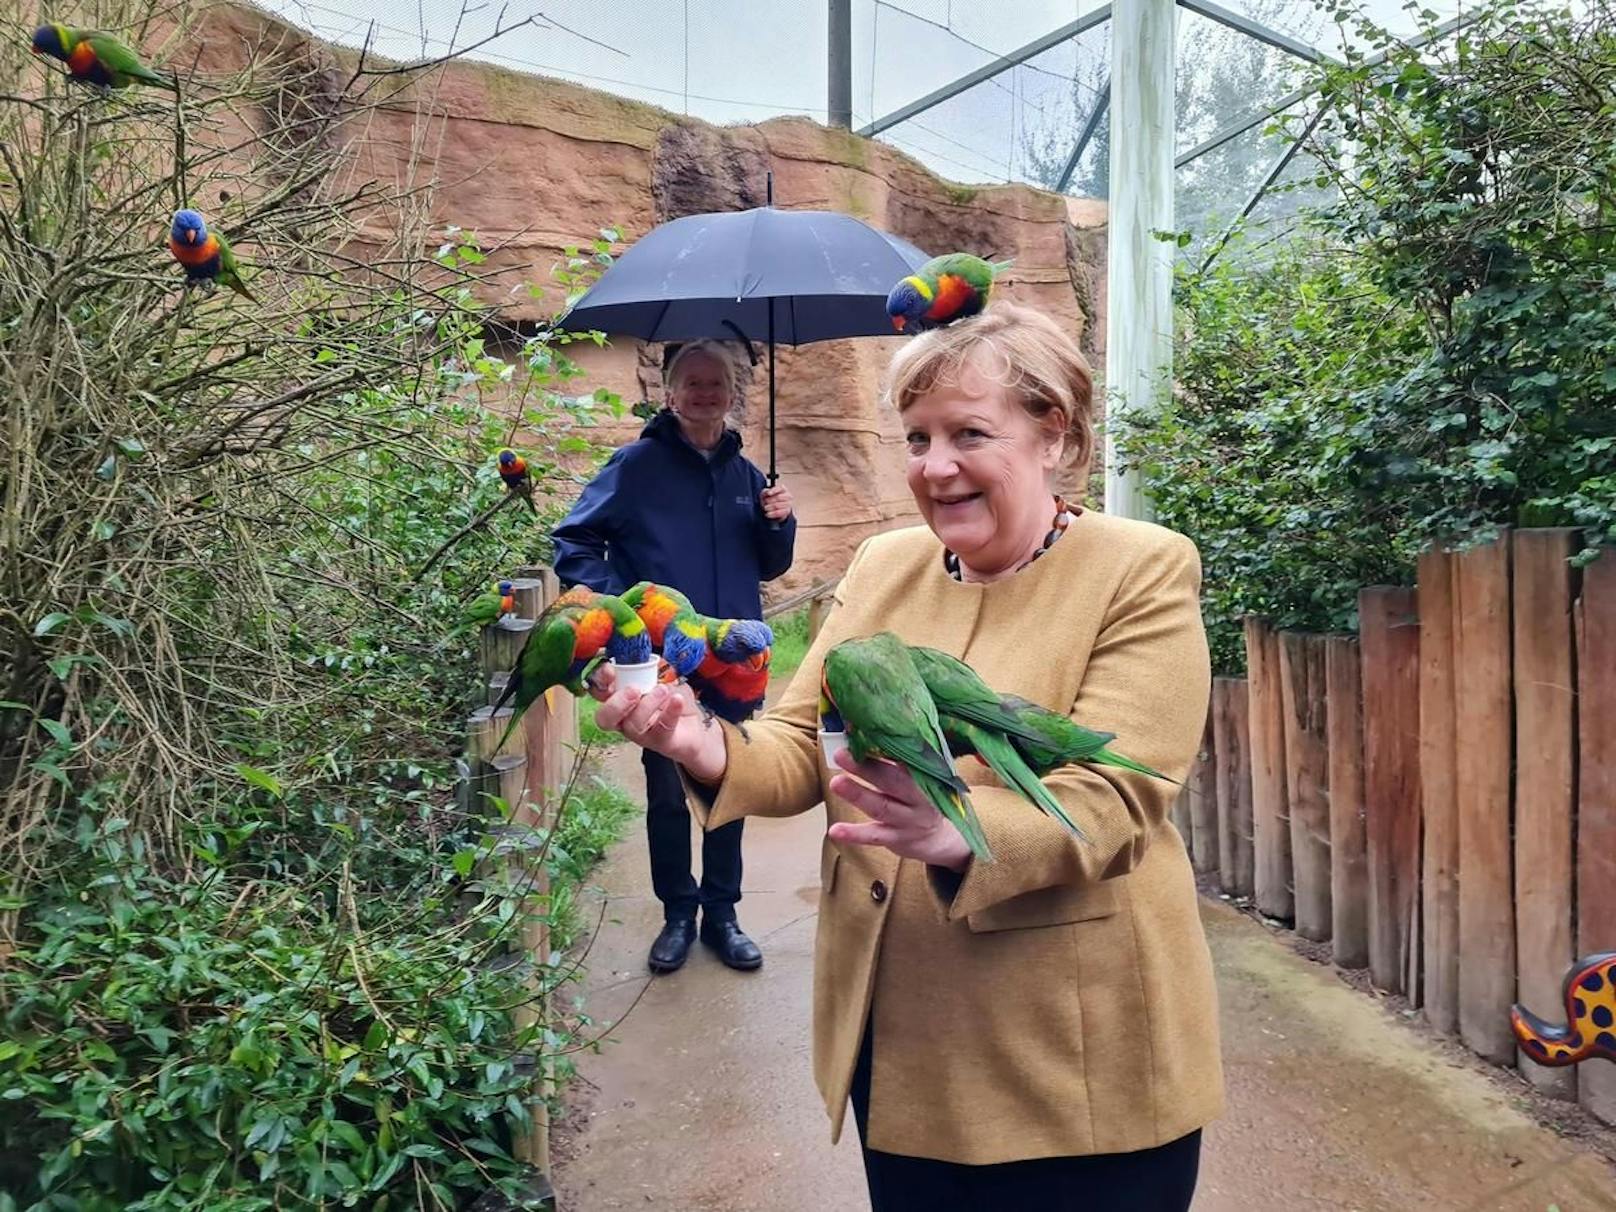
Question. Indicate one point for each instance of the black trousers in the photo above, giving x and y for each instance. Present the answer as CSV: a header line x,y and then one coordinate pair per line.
x,y
1152,1180
667,827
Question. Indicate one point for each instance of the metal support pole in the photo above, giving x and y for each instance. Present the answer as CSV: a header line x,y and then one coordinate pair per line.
x,y
1139,309
840,57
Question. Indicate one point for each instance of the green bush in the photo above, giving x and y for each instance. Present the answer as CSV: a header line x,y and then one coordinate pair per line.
x,y
1433,359
251,955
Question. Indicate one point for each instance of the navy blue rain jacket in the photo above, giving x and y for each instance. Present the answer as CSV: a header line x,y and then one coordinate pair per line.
x,y
662,511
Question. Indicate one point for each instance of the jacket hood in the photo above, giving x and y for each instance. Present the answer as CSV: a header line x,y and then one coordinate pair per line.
x,y
664,427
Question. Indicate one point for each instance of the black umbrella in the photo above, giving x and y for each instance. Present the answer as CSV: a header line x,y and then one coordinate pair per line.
x,y
792,276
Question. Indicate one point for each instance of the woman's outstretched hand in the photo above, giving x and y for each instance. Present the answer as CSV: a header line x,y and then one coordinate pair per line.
x,y
665,720
901,818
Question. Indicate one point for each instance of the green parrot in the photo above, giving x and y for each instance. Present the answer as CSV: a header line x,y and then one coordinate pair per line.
x,y
488,608
943,290
94,57
976,723
1062,741
570,637
873,686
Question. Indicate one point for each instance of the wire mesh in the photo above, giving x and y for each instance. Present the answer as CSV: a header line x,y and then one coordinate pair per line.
x,y
738,61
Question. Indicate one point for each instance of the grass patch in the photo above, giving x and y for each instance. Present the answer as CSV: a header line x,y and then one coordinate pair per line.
x,y
595,816
589,732
790,643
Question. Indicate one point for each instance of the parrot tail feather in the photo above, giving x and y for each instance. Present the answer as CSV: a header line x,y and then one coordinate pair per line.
x,y
1002,758
1106,758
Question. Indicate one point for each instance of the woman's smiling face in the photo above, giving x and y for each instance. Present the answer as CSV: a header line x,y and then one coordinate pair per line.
x,y
979,467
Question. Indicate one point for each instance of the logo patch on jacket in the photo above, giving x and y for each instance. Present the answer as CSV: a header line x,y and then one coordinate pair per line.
x,y
743,500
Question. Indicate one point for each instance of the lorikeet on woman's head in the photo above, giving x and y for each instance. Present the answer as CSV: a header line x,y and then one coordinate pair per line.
x,y
205,254
942,290
96,58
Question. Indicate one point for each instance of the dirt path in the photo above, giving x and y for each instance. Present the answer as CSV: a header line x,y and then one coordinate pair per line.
x,y
702,1099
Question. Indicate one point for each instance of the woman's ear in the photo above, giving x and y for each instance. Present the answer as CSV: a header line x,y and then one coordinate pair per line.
x,y
1052,433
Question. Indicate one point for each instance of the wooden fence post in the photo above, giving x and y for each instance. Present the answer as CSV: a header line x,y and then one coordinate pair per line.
x,y
527,773
1270,811
1389,644
1307,778
1204,803
1545,772
1349,860
1596,795
1484,750
1439,881
1232,754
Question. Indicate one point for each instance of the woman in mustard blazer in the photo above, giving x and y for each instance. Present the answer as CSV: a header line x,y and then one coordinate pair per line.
x,y
1038,1031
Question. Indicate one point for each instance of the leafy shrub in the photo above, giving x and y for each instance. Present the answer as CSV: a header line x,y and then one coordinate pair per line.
x,y
1433,359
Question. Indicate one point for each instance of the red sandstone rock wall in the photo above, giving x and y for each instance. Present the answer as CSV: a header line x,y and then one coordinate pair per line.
x,y
533,164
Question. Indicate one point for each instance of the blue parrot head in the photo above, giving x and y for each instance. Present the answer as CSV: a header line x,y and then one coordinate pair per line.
x,y
189,227
908,303
741,639
504,588
52,40
684,651
507,458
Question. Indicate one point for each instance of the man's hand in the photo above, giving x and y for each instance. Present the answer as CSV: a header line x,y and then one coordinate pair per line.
x,y
776,503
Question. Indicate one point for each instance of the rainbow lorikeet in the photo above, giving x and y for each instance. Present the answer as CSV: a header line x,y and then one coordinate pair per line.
x,y
975,722
733,678
488,608
942,290
205,254
94,57
571,636
518,482
676,630
873,687
1063,741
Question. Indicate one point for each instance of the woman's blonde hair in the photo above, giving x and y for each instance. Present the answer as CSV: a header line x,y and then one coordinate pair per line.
x,y
1022,350
716,350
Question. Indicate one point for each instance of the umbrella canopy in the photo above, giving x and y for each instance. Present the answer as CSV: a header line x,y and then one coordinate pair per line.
x,y
817,274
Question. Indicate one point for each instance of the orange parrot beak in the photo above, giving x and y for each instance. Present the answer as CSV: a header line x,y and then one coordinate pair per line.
x,y
190,235
898,322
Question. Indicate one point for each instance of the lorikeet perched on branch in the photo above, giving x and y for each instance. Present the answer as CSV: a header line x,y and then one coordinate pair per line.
x,y
873,686
205,254
93,57
513,470
942,290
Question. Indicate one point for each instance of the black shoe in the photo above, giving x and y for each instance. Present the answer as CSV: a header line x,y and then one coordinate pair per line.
x,y
672,946
733,947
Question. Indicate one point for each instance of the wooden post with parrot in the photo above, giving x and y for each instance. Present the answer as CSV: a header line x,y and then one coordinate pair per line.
x,y
530,771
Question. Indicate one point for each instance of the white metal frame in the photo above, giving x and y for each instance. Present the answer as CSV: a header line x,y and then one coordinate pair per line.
x,y
1140,96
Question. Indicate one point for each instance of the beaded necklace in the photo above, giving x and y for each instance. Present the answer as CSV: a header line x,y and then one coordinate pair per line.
x,y
1063,519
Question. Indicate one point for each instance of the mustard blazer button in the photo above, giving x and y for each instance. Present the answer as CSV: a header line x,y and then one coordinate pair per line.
x,y
878,892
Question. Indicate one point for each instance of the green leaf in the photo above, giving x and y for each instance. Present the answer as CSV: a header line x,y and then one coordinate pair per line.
x,y
260,779
104,530
58,731
132,447
50,623
464,862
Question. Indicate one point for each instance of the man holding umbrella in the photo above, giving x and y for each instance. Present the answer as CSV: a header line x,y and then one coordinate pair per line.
x,y
684,508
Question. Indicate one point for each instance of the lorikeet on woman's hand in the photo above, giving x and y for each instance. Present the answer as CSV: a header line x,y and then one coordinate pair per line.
x,y
94,57
1062,742
942,290
205,254
873,685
